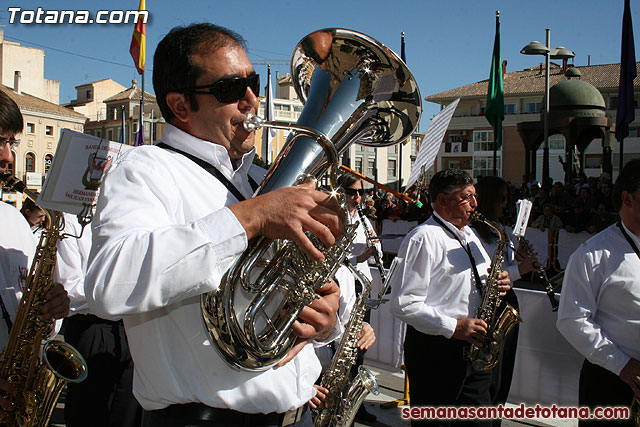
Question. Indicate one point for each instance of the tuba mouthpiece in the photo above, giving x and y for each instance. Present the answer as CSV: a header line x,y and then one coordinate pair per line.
x,y
253,122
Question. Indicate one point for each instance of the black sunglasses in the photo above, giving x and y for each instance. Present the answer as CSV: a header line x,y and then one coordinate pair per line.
x,y
354,191
227,90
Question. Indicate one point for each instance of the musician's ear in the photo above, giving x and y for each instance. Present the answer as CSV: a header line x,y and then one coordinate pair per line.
x,y
179,105
626,198
442,199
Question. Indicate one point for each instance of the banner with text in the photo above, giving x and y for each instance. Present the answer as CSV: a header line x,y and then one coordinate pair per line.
x,y
75,177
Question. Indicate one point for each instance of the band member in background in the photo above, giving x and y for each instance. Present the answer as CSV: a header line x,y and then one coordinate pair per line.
x,y
17,248
166,231
346,280
363,247
599,310
436,291
105,397
493,199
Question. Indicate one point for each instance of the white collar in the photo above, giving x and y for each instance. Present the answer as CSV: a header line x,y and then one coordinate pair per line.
x,y
213,153
461,233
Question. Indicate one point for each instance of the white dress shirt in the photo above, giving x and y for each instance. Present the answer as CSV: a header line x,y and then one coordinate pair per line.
x,y
599,311
346,280
17,248
162,236
71,268
434,284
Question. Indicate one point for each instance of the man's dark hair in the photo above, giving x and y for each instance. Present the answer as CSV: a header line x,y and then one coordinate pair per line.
x,y
173,65
10,116
346,180
448,181
628,180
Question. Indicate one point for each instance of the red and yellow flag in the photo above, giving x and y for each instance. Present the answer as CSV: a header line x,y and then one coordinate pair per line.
x,y
139,41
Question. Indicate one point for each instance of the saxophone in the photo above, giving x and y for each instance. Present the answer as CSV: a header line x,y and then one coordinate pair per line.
x,y
344,399
485,357
39,382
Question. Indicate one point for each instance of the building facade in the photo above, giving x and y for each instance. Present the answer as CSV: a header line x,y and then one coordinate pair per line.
x,y
43,122
27,64
468,142
90,98
124,108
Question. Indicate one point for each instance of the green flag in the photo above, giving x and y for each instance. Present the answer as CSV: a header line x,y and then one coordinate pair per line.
x,y
494,110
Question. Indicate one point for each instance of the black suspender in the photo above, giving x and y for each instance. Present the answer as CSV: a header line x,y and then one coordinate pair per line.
x,y
467,249
213,171
626,236
5,315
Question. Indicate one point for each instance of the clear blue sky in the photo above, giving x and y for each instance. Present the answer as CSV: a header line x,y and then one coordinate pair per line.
x,y
448,42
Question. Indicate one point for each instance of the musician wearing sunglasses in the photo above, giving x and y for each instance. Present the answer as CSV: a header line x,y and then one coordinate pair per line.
x,y
363,247
436,290
170,221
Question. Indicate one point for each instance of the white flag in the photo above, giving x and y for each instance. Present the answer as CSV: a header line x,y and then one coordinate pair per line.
x,y
431,142
268,134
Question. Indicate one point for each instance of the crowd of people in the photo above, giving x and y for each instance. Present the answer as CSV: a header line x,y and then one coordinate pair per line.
x,y
172,218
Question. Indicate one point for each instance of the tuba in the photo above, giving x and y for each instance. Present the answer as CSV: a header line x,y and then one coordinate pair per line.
x,y
355,89
39,382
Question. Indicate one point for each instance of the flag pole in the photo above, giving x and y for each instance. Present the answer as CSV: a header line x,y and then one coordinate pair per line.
x,y
625,113
494,107
141,124
495,136
403,56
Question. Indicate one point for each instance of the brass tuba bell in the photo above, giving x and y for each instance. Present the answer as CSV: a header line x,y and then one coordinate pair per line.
x,y
355,89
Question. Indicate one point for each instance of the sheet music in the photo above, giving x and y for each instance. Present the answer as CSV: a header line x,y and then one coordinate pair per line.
x,y
524,210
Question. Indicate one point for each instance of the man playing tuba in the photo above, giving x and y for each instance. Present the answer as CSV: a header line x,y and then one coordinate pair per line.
x,y
166,230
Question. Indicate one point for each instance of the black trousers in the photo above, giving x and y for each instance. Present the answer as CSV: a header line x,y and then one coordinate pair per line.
x,y
601,387
105,398
502,374
439,376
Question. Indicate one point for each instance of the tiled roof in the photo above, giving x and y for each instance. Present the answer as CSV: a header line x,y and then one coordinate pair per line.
x,y
531,81
94,82
32,103
133,93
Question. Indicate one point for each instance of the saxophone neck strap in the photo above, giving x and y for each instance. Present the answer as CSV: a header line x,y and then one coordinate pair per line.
x,y
213,171
467,249
629,239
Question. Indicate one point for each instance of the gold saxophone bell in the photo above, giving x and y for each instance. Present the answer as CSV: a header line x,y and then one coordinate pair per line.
x,y
355,89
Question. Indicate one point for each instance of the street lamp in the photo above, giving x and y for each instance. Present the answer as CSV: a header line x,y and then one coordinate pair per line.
x,y
537,48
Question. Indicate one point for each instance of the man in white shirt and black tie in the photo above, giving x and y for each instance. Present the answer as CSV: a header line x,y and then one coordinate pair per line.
x,y
166,230
599,311
436,291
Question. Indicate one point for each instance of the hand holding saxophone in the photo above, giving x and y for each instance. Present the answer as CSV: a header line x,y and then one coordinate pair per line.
x,y
504,283
56,303
367,337
631,375
286,213
470,330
